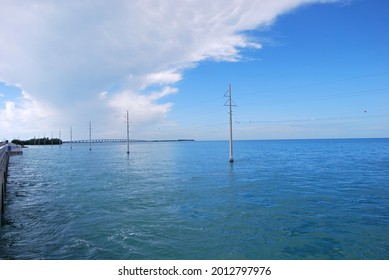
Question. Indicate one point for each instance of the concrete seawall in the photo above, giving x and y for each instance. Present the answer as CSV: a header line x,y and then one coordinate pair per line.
x,y
4,158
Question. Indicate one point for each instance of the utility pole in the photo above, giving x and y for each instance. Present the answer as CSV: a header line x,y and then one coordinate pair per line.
x,y
90,136
128,134
71,138
229,103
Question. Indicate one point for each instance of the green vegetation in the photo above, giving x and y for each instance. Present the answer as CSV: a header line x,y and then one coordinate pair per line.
x,y
38,141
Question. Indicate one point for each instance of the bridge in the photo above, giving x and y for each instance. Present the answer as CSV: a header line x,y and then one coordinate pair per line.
x,y
124,140
102,141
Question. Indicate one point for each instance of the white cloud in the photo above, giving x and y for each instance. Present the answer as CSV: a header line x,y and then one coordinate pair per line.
x,y
143,108
86,58
161,78
25,115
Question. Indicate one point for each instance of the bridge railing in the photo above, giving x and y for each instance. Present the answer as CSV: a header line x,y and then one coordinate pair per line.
x,y
3,151
3,175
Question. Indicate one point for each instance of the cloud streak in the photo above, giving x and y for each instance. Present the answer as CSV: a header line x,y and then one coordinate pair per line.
x,y
88,59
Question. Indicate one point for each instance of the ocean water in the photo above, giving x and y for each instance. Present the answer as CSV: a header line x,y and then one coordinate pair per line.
x,y
292,199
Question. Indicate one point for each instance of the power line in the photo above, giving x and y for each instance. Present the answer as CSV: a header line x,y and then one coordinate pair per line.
x,y
328,82
258,123
327,97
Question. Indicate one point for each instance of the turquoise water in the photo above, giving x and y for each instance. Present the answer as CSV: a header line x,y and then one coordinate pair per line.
x,y
295,199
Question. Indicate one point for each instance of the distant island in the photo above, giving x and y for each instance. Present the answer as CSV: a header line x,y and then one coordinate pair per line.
x,y
38,141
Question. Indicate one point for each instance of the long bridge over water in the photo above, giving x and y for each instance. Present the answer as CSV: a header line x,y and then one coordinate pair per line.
x,y
122,140
102,141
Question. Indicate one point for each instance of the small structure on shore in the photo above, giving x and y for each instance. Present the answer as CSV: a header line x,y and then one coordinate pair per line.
x,y
11,148
14,149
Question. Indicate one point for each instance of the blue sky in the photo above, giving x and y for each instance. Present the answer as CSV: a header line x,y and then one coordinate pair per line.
x,y
318,70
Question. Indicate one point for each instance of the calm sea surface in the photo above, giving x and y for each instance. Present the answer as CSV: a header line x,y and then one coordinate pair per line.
x,y
296,199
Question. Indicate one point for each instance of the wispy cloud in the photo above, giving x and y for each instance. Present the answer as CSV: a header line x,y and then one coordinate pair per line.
x,y
88,59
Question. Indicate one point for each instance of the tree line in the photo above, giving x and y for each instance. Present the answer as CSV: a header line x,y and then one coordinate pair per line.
x,y
38,141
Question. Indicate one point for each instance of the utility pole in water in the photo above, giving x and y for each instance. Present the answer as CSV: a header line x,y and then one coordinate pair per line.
x,y
128,134
90,136
71,138
229,103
